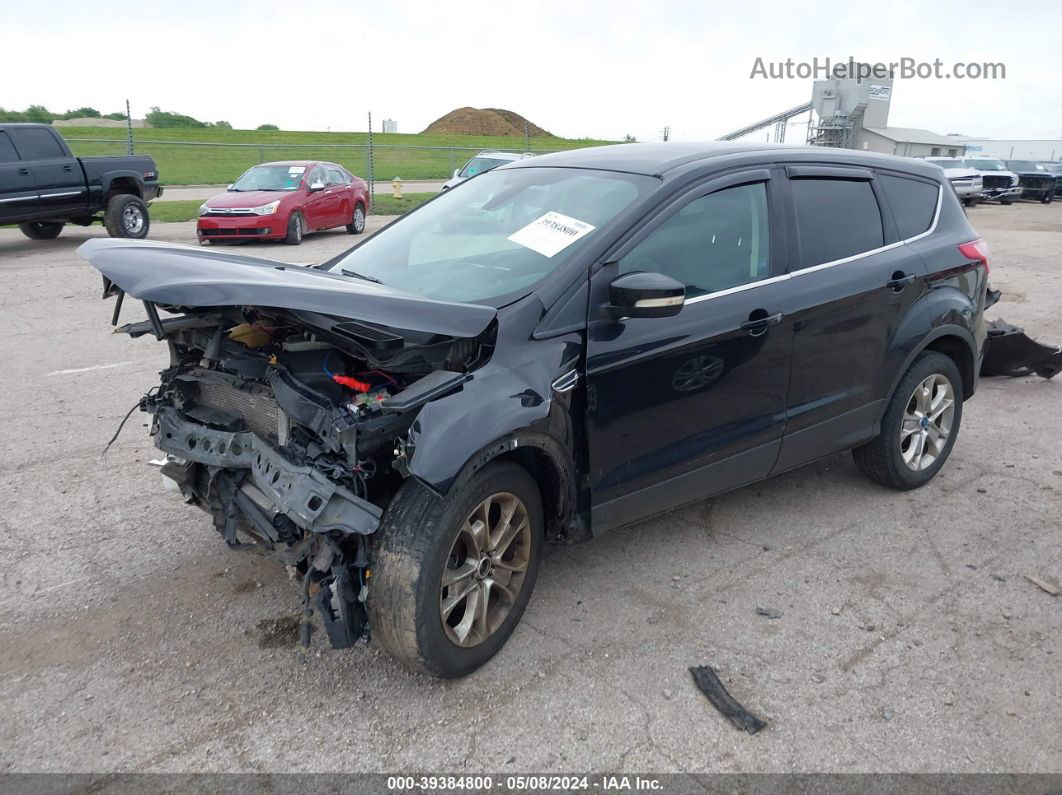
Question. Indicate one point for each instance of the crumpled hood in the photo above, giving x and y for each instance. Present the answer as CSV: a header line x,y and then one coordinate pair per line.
x,y
186,276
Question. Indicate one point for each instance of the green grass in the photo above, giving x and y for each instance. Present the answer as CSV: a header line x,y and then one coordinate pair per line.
x,y
190,160
385,204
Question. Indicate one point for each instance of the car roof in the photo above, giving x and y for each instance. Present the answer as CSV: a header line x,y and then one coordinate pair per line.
x,y
505,155
306,163
657,159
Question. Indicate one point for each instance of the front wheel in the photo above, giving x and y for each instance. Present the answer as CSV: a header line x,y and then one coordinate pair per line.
x,y
295,229
920,425
1047,198
1006,201
42,230
452,576
126,216
357,221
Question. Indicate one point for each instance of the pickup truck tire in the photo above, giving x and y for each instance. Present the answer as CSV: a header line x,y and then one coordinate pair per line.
x,y
295,229
423,538
1006,201
1047,198
884,459
126,216
42,230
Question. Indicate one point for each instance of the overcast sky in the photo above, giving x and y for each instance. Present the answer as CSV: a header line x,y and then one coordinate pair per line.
x,y
599,69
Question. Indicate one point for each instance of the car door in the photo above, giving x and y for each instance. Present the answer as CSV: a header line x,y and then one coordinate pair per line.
x,y
852,281
18,190
58,176
339,183
684,407
317,204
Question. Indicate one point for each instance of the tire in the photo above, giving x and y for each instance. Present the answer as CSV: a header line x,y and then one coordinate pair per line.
x,y
883,459
970,202
42,230
1006,201
1047,198
357,221
126,216
421,536
296,229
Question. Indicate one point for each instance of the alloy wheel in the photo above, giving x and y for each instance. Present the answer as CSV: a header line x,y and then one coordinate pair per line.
x,y
485,570
133,219
927,422
359,219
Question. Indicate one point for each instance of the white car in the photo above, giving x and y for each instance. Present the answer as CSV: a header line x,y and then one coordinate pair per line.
x,y
966,181
481,163
998,182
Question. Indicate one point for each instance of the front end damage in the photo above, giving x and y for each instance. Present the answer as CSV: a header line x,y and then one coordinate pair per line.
x,y
291,426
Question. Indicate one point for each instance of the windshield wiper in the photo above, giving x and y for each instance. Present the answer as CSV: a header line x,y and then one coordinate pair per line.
x,y
354,275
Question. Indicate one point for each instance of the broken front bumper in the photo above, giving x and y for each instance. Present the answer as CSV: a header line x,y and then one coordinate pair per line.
x,y
272,487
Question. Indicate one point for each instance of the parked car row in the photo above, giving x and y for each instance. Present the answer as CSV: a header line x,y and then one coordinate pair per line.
x,y
991,179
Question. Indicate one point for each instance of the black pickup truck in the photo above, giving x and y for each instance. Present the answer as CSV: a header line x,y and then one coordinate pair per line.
x,y
43,186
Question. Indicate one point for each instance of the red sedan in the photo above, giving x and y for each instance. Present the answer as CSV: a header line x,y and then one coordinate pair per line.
x,y
285,201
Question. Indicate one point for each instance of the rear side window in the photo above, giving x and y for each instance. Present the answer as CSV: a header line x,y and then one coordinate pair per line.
x,y
37,144
913,203
7,150
836,218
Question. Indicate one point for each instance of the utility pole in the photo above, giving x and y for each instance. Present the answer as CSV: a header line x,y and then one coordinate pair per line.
x,y
129,126
665,134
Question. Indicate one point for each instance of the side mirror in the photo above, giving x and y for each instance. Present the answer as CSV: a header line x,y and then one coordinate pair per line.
x,y
316,186
457,171
229,186
645,294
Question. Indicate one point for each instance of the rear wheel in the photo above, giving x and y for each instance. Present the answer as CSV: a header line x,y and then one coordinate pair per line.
x,y
126,216
920,425
357,221
296,229
452,576
42,230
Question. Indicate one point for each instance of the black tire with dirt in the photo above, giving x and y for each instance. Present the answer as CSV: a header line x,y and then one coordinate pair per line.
x,y
42,230
882,458
357,220
296,229
126,216
419,539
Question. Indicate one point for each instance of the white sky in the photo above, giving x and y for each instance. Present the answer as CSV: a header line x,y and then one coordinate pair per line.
x,y
601,68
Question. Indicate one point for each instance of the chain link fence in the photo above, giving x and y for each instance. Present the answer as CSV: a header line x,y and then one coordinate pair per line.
x,y
194,163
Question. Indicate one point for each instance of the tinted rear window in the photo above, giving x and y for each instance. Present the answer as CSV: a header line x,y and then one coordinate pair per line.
x,y
36,144
835,219
913,203
7,151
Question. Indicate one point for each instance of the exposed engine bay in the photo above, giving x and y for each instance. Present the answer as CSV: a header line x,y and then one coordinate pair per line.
x,y
290,428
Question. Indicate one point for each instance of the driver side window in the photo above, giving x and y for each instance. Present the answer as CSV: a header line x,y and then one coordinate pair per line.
x,y
712,243
317,175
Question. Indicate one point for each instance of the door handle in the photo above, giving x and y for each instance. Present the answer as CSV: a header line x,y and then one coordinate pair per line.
x,y
898,281
67,168
23,171
757,326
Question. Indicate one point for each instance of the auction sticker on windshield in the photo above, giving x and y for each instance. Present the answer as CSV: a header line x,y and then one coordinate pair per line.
x,y
551,234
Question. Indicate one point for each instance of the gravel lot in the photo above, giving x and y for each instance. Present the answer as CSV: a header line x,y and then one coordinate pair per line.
x,y
131,639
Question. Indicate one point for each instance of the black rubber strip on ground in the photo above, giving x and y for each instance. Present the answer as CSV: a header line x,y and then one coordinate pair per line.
x,y
709,683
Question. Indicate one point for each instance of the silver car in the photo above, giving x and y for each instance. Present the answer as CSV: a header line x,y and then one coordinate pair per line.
x,y
481,163
966,181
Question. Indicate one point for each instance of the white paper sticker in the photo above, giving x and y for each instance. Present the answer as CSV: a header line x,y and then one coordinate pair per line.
x,y
296,169
551,234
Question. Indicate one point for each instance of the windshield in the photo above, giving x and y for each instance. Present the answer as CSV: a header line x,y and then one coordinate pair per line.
x,y
986,164
500,233
946,162
1024,165
477,165
270,178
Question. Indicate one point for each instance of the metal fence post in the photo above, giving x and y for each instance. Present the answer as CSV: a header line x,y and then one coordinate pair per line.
x,y
372,177
451,151
261,155
129,125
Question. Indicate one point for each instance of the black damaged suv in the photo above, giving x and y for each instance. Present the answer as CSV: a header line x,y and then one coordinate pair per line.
x,y
563,345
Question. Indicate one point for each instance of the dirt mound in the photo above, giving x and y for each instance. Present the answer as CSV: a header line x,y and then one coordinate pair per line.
x,y
484,121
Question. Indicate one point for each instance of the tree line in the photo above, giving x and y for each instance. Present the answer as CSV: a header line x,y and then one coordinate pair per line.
x,y
156,117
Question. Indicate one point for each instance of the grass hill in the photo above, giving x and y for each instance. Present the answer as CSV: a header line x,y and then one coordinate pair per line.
x,y
485,121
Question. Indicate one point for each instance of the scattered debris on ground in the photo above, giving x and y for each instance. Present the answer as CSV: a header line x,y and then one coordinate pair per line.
x,y
768,612
709,683
1044,585
1009,352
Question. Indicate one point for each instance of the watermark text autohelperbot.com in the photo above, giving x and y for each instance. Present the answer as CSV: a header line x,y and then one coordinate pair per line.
x,y
851,69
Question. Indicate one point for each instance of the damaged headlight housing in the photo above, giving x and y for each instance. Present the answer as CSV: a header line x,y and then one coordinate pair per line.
x,y
266,209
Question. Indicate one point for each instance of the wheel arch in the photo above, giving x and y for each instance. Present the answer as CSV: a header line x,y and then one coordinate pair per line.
x,y
122,182
955,342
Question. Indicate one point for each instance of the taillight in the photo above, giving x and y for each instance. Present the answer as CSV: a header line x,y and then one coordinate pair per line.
x,y
977,250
